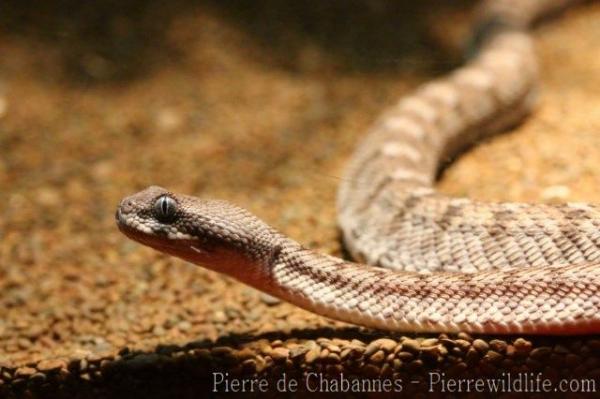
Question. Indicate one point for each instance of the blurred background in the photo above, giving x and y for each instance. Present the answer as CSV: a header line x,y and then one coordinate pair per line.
x,y
257,102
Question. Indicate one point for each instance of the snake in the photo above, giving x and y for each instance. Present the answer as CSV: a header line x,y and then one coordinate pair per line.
x,y
424,261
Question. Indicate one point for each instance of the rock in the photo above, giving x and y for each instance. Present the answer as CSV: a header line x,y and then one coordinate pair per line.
x,y
280,353
386,344
50,365
372,348
312,355
480,345
522,346
429,342
25,371
411,345
377,357
245,353
498,345
298,351
492,357
541,352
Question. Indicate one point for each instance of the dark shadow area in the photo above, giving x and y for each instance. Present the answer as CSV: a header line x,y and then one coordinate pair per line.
x,y
362,35
97,41
186,371
111,40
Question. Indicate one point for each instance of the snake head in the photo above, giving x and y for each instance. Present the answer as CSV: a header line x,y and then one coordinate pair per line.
x,y
212,233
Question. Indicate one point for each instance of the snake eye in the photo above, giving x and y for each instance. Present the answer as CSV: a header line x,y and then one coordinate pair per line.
x,y
165,209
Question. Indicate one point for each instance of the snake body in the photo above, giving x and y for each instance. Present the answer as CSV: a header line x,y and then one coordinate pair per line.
x,y
446,264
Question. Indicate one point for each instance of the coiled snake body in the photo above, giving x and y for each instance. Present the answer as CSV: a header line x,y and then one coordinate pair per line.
x,y
447,264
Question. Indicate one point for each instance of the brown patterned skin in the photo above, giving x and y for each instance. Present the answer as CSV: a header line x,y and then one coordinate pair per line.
x,y
452,264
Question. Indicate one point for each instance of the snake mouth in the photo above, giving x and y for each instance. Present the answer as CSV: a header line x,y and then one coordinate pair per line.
x,y
176,247
132,232
153,241
125,227
119,217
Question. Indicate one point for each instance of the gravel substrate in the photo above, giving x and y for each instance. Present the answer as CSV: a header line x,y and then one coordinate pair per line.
x,y
254,105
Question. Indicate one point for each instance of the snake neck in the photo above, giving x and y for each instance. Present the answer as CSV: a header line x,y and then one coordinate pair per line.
x,y
538,300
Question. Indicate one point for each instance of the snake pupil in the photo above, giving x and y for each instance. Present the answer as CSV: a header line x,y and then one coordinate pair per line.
x,y
165,208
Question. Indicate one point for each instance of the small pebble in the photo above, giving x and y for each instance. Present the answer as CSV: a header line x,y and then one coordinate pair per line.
x,y
429,342
411,345
25,371
49,365
385,344
480,345
522,346
280,353
312,355
269,299
498,345
492,357
377,357
541,352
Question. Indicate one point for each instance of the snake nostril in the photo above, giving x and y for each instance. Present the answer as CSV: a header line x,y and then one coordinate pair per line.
x,y
126,206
